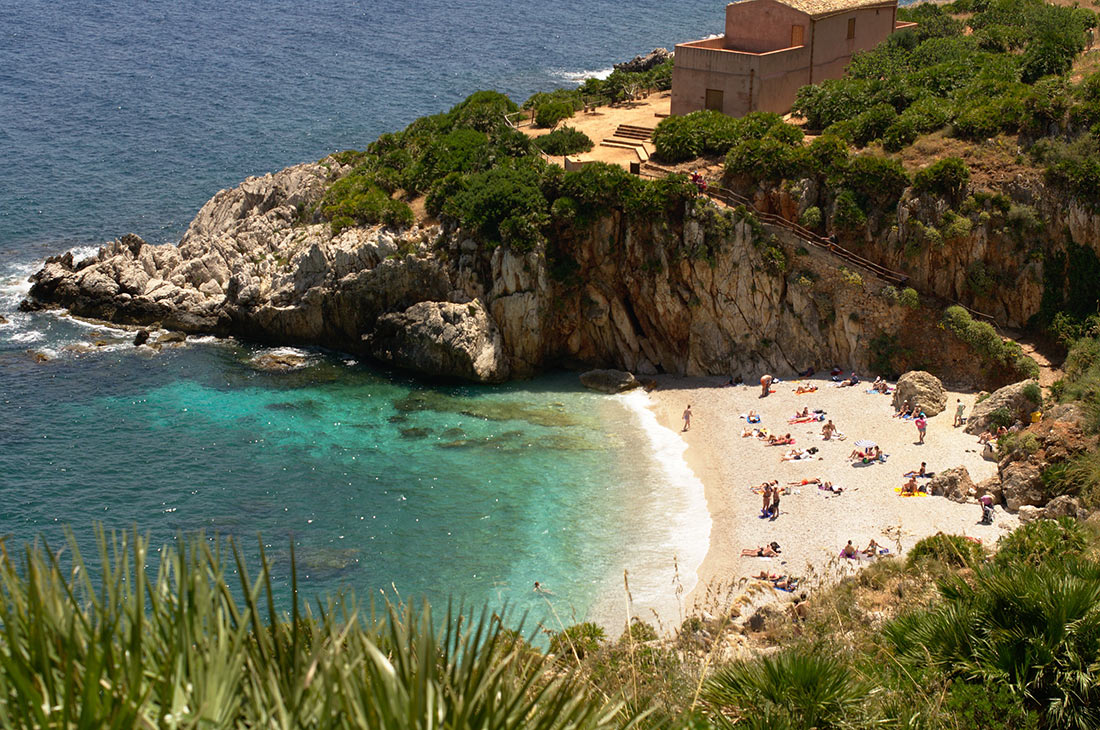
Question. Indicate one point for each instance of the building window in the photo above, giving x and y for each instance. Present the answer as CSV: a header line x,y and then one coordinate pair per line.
x,y
796,35
714,99
851,28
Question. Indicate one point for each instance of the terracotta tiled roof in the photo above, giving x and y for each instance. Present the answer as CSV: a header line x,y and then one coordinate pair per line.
x,y
815,8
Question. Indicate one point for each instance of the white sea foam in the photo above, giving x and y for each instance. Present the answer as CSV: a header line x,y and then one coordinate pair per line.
x,y
579,77
681,502
83,252
27,336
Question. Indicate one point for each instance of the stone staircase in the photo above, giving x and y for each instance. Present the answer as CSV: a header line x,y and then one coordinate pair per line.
x,y
631,137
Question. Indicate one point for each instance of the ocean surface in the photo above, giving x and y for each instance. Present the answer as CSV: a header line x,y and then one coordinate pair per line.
x,y
121,117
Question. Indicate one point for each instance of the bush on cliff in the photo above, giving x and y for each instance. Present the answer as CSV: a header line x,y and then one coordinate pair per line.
x,y
985,341
356,200
948,176
503,205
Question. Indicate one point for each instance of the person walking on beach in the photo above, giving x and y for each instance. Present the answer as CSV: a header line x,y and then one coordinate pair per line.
x,y
959,410
687,417
922,426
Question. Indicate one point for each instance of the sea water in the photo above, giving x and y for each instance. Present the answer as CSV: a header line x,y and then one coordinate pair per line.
x,y
121,117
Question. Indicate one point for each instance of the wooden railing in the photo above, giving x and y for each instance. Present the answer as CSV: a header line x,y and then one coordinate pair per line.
x,y
733,199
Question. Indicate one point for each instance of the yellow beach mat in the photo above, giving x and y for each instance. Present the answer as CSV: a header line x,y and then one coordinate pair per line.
x,y
897,490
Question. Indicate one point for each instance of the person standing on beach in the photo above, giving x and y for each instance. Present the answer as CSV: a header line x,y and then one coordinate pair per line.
x,y
775,502
765,385
959,410
766,509
687,417
922,426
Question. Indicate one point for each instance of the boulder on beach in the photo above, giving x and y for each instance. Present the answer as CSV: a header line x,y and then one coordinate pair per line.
x,y
609,381
922,388
1022,485
955,484
1017,401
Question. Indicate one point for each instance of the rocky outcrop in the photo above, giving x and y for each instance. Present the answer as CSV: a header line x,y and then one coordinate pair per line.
x,y
609,381
644,63
703,291
955,484
442,338
1017,401
1021,485
921,388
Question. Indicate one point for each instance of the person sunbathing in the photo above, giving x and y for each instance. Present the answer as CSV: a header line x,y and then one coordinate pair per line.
x,y
804,482
794,455
877,455
917,472
853,379
910,487
804,414
828,487
985,438
849,550
857,455
754,417
872,548
828,430
805,389
770,550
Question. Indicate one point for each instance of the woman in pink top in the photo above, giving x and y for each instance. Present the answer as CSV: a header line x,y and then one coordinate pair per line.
x,y
922,426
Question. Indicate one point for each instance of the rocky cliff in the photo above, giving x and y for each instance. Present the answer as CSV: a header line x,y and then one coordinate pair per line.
x,y
710,292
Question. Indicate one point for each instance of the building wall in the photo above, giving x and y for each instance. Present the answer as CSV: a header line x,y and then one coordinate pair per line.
x,y
762,25
833,49
768,79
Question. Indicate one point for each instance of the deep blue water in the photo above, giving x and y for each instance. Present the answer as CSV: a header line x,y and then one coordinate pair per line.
x,y
121,117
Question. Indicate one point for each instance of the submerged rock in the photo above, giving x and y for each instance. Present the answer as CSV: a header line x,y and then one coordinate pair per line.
x,y
141,337
279,361
609,381
921,388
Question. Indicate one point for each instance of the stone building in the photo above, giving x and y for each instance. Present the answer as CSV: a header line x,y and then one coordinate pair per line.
x,y
771,48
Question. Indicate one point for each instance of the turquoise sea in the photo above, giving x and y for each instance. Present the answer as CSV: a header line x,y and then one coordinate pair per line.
x,y
123,117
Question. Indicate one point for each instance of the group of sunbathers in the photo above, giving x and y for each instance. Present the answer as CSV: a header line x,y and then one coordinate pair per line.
x,y
907,410
880,386
782,582
870,455
911,488
989,436
872,549
807,416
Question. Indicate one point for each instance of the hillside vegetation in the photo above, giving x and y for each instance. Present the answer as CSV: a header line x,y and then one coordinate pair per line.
x,y
951,638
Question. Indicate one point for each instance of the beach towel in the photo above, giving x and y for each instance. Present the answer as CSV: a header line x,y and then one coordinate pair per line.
x,y
788,589
897,490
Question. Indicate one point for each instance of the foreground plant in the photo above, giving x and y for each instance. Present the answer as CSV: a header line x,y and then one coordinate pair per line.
x,y
180,650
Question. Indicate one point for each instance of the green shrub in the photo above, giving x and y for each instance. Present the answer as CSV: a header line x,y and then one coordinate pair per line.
x,y
356,200
764,159
948,176
953,550
1000,418
552,112
877,181
811,218
909,298
987,343
797,689
503,205
977,705
827,157
1042,541
900,134
577,641
848,216
564,141
482,110
705,132
873,123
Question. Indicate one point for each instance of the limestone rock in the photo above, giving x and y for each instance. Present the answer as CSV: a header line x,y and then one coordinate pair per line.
x,y
992,487
1064,506
171,338
442,338
609,381
279,361
1013,398
922,388
141,337
1030,513
644,63
955,484
1022,485
3,319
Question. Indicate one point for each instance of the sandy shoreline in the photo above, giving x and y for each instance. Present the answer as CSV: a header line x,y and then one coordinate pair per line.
x,y
813,525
